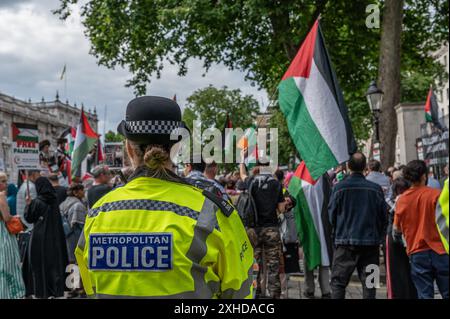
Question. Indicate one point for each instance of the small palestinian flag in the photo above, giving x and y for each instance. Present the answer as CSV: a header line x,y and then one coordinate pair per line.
x,y
312,102
249,142
84,142
432,110
25,132
311,216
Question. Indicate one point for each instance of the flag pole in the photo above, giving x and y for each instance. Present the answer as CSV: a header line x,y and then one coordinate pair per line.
x,y
65,80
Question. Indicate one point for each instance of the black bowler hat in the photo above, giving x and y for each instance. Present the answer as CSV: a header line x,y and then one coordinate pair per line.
x,y
151,120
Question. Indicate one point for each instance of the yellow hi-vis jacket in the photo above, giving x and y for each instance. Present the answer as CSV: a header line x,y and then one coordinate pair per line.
x,y
162,239
442,215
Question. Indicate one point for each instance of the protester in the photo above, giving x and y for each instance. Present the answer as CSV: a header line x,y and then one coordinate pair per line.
x,y
415,220
210,173
267,194
11,281
194,173
357,212
45,264
74,211
398,270
432,181
61,191
27,186
11,194
102,177
320,197
377,177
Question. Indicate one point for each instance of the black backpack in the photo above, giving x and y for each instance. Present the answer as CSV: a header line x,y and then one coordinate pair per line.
x,y
246,206
245,209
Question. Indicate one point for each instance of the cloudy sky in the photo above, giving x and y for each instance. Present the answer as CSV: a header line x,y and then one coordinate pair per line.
x,y
35,45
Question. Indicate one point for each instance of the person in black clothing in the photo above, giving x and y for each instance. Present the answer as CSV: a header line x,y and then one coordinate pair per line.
x,y
61,191
45,263
267,194
358,216
102,177
398,274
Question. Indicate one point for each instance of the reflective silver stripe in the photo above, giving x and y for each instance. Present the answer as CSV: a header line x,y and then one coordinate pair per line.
x,y
82,240
207,221
213,286
144,204
242,292
441,221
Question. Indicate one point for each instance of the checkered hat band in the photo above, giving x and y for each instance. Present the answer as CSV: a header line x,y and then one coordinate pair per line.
x,y
144,204
152,127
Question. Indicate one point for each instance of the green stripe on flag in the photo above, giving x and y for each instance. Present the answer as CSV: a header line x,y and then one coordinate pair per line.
x,y
305,227
304,133
80,153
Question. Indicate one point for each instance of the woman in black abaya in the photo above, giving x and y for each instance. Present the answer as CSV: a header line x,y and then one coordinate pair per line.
x,y
46,260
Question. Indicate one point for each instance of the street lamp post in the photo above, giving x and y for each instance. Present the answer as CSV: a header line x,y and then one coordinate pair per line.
x,y
375,99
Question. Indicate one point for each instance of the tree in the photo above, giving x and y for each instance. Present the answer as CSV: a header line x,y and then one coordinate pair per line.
x,y
389,78
259,38
212,106
110,136
286,148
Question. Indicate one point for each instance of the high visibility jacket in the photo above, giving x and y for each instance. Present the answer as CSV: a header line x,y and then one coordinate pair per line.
x,y
156,238
442,215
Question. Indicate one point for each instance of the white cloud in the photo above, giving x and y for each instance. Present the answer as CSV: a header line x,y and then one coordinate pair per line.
x,y
35,45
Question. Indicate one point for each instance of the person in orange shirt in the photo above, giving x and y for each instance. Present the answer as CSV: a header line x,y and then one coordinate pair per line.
x,y
415,220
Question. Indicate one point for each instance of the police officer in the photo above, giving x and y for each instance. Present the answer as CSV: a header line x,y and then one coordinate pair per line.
x,y
158,236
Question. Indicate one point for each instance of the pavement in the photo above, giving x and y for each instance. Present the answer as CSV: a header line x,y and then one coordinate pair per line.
x,y
296,288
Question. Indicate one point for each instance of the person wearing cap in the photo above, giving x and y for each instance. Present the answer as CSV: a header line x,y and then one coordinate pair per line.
x,y
101,187
158,236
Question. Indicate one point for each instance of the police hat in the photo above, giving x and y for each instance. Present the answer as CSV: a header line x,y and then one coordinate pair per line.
x,y
151,120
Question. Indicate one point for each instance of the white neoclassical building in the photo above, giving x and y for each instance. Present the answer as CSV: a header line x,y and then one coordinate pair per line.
x,y
51,117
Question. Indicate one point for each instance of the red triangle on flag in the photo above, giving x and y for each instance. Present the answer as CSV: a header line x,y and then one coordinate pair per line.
x,y
303,173
87,129
301,65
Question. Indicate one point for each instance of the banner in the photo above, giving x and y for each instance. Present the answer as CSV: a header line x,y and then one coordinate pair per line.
x,y
434,148
114,154
25,150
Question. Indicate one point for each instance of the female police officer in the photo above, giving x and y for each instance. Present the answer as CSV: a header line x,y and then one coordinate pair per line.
x,y
157,236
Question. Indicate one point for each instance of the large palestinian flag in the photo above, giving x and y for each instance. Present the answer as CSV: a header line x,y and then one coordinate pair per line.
x,y
432,110
311,216
312,102
84,142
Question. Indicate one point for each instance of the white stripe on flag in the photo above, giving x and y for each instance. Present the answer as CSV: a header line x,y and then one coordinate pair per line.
x,y
324,111
314,197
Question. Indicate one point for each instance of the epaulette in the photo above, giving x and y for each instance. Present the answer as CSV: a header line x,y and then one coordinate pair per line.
x,y
226,208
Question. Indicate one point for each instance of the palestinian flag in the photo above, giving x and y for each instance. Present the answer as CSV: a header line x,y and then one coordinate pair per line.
x,y
312,102
432,110
311,216
84,141
248,141
69,134
23,132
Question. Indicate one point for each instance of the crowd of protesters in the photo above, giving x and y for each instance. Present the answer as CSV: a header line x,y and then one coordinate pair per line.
x,y
377,218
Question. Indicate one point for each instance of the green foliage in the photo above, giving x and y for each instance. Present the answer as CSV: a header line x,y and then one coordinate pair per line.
x,y
260,38
286,147
212,106
110,136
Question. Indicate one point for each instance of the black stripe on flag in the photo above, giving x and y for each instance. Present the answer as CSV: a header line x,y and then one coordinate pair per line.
x,y
323,63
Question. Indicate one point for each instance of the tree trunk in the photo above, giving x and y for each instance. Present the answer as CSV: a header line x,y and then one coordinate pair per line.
x,y
389,78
